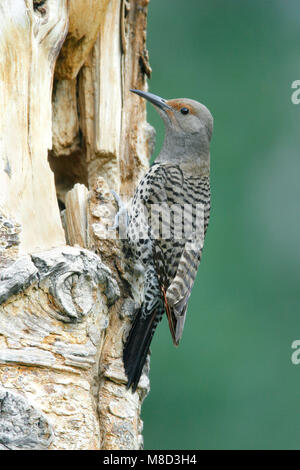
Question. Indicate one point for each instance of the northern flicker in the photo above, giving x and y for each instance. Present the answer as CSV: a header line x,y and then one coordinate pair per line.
x,y
168,245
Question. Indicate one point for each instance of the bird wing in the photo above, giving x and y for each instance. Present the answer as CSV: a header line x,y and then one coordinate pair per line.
x,y
176,258
165,193
180,289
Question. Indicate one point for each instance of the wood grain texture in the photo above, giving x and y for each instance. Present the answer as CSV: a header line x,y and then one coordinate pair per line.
x,y
30,42
65,310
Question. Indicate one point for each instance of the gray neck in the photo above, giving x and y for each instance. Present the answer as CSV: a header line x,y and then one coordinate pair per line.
x,y
189,151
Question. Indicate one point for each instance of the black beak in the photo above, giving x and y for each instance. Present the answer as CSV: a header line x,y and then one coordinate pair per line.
x,y
156,100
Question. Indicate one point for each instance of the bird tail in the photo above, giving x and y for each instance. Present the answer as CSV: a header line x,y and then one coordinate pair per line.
x,y
138,343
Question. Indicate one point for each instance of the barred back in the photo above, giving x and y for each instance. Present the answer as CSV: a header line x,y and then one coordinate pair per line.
x,y
167,225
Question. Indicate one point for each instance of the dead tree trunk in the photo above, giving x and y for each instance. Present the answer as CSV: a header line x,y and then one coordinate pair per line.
x,y
70,131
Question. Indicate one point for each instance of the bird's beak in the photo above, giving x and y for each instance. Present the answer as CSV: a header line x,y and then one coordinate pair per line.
x,y
156,100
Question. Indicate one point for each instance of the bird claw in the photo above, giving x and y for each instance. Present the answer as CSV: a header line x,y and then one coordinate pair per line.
x,y
122,213
117,198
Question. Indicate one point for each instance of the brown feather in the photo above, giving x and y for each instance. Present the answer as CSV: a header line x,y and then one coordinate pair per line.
x,y
170,318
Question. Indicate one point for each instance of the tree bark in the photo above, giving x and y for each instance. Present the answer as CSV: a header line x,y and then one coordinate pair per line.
x,y
70,132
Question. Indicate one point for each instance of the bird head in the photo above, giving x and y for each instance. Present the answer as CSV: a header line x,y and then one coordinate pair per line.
x,y
188,123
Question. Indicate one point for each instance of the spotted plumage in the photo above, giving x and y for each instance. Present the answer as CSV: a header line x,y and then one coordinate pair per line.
x,y
167,224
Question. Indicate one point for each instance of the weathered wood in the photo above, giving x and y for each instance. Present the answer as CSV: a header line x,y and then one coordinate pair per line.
x,y
57,306
31,37
65,310
115,138
86,17
22,426
76,215
119,409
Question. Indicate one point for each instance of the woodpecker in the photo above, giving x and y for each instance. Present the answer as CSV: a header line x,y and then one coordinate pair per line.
x,y
167,223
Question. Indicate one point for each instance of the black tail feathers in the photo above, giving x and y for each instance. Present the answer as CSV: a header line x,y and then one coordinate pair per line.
x,y
137,345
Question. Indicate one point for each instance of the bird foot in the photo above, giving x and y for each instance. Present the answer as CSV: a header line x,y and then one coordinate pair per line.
x,y
121,217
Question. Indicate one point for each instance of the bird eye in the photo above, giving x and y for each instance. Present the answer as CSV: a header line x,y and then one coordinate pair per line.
x,y
184,111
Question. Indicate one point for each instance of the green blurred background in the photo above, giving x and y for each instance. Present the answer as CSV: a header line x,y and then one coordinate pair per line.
x,y
231,383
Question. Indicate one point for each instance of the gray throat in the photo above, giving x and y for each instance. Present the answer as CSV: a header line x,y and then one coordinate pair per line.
x,y
189,151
